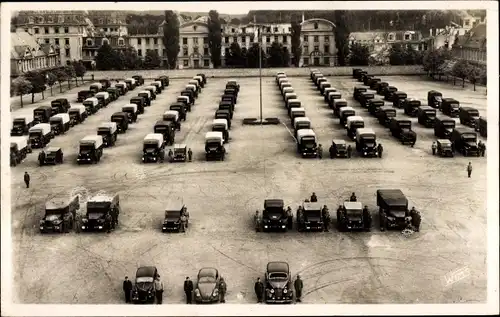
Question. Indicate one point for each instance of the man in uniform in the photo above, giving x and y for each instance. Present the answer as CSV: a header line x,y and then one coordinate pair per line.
x,y
353,197
469,169
190,155
41,157
299,285
186,213
331,151
170,155
380,149
259,290
127,288
367,218
183,222
159,290
222,290
349,151
289,217
27,179
482,148
434,148
109,222
314,198
257,219
326,217
340,209
188,290
416,218
68,222
320,151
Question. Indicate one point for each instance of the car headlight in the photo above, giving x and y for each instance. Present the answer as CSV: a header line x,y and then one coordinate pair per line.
x,y
56,227
407,218
83,227
285,291
364,153
197,292
272,291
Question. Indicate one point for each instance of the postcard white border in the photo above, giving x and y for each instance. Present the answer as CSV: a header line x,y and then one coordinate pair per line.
x,y
491,307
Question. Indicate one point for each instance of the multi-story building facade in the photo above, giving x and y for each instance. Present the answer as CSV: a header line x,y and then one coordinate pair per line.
x,y
63,29
146,42
318,43
194,49
26,54
472,45
446,37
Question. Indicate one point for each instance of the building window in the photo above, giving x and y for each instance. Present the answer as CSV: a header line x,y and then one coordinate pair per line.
x,y
327,39
195,27
195,50
305,38
315,26
50,19
233,30
205,51
276,38
105,41
316,39
56,30
268,50
467,22
147,41
226,39
235,39
106,29
205,40
47,41
195,40
156,52
268,29
316,48
155,41
391,37
252,39
139,52
243,30
46,30
268,39
184,51
66,41
327,49
290,29
306,50
101,21
89,42
407,37
206,62
184,41
57,41
37,30
226,51
31,20
121,42
285,39
327,60
66,51
186,63
139,41
306,61
275,29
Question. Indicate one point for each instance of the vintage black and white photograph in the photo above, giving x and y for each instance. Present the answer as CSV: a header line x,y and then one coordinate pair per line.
x,y
249,153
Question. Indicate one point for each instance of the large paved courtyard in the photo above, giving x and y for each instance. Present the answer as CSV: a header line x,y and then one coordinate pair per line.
x,y
366,267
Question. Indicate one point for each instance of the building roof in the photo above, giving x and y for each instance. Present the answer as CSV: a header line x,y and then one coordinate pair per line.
x,y
51,17
475,38
384,35
24,43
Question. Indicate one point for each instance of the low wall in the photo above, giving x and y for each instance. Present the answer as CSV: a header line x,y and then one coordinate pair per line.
x,y
252,72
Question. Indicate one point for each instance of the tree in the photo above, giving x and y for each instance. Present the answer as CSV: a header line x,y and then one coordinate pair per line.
x,y
397,55
235,58
61,77
105,58
171,37
434,59
70,72
461,70
80,70
278,56
476,73
131,58
214,37
296,48
152,60
51,80
341,37
252,60
21,86
359,55
37,80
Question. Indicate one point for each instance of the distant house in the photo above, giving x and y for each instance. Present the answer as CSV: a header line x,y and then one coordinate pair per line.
x,y
472,45
27,54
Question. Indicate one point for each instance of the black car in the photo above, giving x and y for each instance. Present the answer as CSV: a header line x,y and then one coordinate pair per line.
x,y
393,209
309,218
434,99
172,220
144,287
352,217
443,128
388,92
278,283
207,286
468,116
450,107
338,149
411,106
274,216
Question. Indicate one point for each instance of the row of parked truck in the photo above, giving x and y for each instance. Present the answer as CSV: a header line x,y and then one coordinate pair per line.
x,y
450,138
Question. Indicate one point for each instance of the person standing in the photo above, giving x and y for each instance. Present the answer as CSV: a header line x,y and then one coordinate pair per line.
x,y
380,149
289,216
434,148
183,222
299,285
349,151
170,155
190,155
314,198
320,151
127,289
469,169
27,179
222,290
41,157
159,290
188,290
259,290
109,222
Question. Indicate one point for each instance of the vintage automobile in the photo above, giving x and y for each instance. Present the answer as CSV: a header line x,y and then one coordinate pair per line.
x,y
152,91
326,93
468,116
434,99
140,102
309,218
224,114
85,94
121,119
60,214
122,86
167,129
77,114
411,106
214,146
172,220
378,85
228,99
221,126
338,149
166,80
357,92
60,105
293,103
274,217
388,92
158,85
40,135
278,283
19,148
139,80
21,124
365,97
180,153
53,156
91,105
153,149
319,81
200,81
190,94
106,83
398,98
232,91
355,72
91,149
185,101
443,128
109,133
300,123
481,126
233,83
323,85
367,78
132,111
366,142
144,289
385,114
450,107
113,92
281,75
130,83
285,84
287,90
465,142
180,108
352,124
204,77
59,123
207,286
306,143
296,113
196,83
426,116
226,105
353,217
193,88
373,82
345,112
103,98
444,147
42,114
333,97
172,116
337,105
96,87
98,208
393,210
360,74
289,96
374,106
401,129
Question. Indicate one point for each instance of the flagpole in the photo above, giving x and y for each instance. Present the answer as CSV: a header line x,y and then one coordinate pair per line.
x,y
260,77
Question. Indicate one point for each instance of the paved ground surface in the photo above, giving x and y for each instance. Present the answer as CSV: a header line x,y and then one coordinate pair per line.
x,y
375,267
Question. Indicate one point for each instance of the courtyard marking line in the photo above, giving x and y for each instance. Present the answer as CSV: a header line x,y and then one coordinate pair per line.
x,y
289,131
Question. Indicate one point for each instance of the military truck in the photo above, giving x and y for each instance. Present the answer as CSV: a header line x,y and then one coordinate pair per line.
x,y
337,105
306,143
98,208
450,107
91,148
121,120
59,123
96,87
379,86
153,149
293,103
365,97
91,105
398,98
42,114
214,146
53,156
130,83
146,95
468,116
21,124
139,80
327,91
465,142
352,217
186,102
443,128
297,113
372,83
374,106
106,83
77,114
344,114
19,148
221,126
426,116
309,218
274,217
60,105
132,111
60,214
84,94
140,102
358,90
300,123
333,97
482,126
109,133
393,210
167,129
385,115
366,143
180,108
388,92
434,99
172,116
172,220
40,135
104,98
401,129
353,123
411,107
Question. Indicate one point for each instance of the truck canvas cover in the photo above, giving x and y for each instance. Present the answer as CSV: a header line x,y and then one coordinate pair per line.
x,y
44,128
94,100
20,141
92,139
64,117
108,125
213,136
345,109
219,122
305,133
80,108
364,132
354,119
132,106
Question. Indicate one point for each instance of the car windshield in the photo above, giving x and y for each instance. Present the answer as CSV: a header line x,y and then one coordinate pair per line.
x,y
206,279
404,125
368,138
213,143
474,113
313,213
144,279
93,214
277,276
469,137
179,150
449,125
102,131
151,146
39,112
35,134
18,122
354,212
86,148
430,113
52,217
390,113
454,105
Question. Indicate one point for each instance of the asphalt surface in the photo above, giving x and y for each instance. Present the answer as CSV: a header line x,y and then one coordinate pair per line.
x,y
261,162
